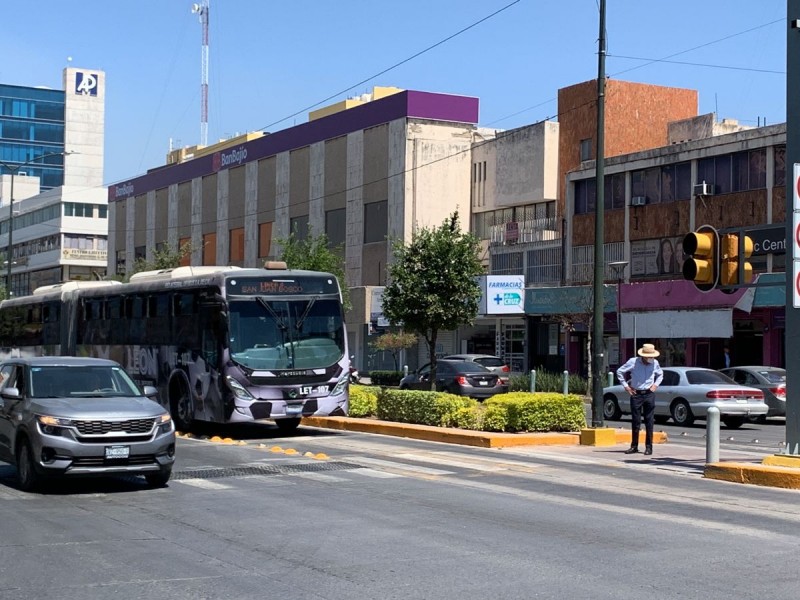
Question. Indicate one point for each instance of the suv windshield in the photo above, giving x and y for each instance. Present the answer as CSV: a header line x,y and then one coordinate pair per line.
x,y
80,381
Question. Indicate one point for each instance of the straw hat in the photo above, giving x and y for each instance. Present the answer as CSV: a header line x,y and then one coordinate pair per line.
x,y
648,351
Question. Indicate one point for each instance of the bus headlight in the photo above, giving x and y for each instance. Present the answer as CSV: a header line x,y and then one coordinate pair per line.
x,y
341,385
239,390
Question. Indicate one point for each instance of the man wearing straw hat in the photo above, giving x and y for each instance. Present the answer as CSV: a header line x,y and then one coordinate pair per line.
x,y
645,377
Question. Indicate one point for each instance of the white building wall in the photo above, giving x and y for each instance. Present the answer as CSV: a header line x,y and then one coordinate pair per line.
x,y
437,182
172,216
150,218
354,239
280,229
197,221
251,214
84,129
223,229
316,189
397,183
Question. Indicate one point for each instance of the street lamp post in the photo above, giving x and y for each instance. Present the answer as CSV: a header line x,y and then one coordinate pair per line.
x,y
13,171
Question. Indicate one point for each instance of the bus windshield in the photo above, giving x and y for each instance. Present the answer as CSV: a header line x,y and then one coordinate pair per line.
x,y
266,333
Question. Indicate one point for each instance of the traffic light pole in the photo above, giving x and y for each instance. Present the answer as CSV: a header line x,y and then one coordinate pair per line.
x,y
792,331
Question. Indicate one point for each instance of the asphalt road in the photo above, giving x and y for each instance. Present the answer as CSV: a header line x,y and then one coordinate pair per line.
x,y
391,518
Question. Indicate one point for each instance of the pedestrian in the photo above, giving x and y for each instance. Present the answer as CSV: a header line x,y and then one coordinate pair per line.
x,y
645,377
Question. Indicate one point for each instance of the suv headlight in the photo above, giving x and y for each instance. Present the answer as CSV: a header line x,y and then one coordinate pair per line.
x,y
52,425
165,423
239,390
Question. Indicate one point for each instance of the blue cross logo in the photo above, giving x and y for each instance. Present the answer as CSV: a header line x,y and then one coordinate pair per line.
x,y
498,299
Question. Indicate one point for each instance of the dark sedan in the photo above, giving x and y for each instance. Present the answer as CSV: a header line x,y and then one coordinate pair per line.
x,y
456,377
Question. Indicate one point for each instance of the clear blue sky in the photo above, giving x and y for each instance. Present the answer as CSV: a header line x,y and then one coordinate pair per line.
x,y
269,59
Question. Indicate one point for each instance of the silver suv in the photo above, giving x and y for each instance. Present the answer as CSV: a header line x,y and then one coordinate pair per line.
x,y
69,416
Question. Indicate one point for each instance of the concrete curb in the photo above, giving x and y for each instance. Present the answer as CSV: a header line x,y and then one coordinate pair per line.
x,y
479,439
765,474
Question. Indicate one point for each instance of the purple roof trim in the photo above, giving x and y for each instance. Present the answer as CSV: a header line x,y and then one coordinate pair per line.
x,y
673,295
408,104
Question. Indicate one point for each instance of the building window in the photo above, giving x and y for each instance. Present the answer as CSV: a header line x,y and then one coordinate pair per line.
x,y
264,239
139,252
780,165
335,227
210,249
237,245
376,221
586,149
299,227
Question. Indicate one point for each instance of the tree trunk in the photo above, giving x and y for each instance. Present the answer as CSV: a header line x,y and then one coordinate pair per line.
x,y
432,353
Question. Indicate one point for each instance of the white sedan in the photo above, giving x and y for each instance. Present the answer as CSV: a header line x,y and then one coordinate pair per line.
x,y
686,394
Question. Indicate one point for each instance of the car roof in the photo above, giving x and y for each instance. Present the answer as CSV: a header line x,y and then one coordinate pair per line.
x,y
755,368
62,361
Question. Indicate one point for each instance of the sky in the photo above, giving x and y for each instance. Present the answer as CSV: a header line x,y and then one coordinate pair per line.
x,y
271,62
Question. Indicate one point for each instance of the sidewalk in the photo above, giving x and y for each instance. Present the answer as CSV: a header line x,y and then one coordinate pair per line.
x,y
735,466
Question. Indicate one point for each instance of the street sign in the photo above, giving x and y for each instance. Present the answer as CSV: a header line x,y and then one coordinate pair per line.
x,y
796,187
797,284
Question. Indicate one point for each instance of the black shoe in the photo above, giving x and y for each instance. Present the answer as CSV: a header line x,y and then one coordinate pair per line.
x,y
634,450
648,451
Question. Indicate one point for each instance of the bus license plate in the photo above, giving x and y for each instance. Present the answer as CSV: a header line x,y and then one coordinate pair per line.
x,y
117,452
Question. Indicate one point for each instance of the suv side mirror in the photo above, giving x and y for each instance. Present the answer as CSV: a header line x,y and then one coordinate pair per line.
x,y
150,392
11,393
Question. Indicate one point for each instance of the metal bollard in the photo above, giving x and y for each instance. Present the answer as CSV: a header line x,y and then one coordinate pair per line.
x,y
712,435
533,380
566,382
405,370
610,379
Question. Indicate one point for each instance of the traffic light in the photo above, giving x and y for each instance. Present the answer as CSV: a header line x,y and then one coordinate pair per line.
x,y
732,246
702,264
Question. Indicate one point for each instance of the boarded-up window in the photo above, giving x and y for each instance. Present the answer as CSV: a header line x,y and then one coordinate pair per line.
x,y
264,239
210,249
237,245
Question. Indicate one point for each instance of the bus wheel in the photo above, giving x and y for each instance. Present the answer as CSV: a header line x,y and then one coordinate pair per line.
x,y
181,407
287,425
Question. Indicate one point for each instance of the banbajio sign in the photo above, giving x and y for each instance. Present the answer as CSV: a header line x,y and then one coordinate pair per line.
x,y
231,158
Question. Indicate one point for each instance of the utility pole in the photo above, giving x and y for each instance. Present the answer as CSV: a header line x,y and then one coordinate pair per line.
x,y
598,344
792,330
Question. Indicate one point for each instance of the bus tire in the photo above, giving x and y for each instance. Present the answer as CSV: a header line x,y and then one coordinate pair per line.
x,y
287,425
180,404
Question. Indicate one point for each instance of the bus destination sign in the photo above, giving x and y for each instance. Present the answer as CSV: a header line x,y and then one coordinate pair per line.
x,y
282,286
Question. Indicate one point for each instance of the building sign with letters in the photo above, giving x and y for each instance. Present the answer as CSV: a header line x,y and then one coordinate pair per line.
x,y
503,295
86,84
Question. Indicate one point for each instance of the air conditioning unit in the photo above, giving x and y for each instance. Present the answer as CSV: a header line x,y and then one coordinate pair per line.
x,y
704,189
638,200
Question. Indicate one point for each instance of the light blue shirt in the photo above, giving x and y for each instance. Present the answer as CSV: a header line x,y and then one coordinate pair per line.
x,y
643,375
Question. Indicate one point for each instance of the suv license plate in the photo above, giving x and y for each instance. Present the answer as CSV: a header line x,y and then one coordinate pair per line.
x,y
117,452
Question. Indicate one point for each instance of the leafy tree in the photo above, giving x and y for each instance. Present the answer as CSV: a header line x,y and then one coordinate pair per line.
x,y
433,283
314,253
164,257
394,342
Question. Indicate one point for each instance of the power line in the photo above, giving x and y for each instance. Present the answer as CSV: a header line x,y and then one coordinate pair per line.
x,y
693,64
394,66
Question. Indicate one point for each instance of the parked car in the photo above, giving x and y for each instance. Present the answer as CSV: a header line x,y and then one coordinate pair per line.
x,y
686,394
770,380
457,377
494,363
69,416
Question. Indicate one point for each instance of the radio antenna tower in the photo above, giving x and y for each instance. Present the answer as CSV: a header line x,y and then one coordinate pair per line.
x,y
201,9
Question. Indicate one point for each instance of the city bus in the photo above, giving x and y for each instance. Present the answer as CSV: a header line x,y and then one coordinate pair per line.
x,y
221,344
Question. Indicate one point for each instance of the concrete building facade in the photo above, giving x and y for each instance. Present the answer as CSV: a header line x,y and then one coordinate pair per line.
x,y
60,225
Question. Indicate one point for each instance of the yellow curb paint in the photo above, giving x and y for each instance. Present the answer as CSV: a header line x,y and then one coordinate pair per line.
x,y
276,449
769,476
598,436
321,456
290,451
216,438
782,460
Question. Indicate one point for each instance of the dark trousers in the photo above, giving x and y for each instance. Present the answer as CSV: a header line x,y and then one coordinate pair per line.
x,y
642,405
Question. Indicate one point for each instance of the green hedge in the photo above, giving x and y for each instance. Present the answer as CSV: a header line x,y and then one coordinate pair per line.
x,y
513,412
385,377
363,401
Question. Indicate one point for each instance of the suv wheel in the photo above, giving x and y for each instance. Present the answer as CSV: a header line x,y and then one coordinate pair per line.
x,y
29,478
158,479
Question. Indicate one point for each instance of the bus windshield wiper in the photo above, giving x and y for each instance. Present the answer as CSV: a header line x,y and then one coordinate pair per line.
x,y
273,314
302,318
